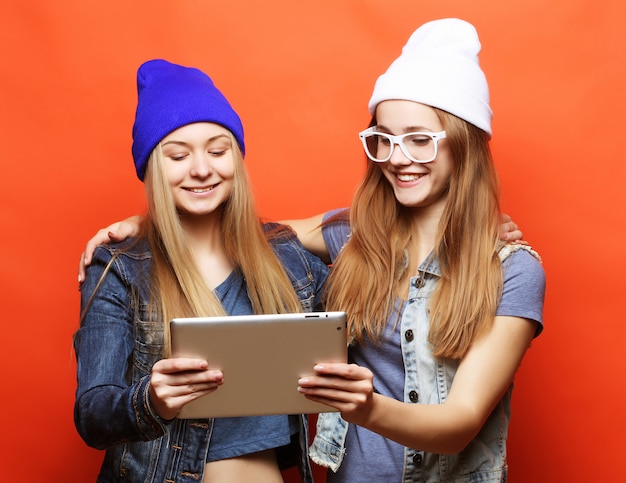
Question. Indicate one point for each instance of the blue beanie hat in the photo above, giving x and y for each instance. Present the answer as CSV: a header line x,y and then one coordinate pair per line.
x,y
171,96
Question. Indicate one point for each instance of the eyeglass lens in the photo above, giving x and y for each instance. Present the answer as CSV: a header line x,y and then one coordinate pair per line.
x,y
418,146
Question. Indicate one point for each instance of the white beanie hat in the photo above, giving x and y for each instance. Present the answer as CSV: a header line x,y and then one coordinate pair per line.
x,y
439,67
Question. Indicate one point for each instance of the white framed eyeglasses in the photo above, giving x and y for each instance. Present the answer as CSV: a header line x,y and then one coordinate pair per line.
x,y
419,147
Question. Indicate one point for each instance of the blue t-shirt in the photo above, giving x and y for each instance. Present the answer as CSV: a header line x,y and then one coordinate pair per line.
x,y
233,437
522,296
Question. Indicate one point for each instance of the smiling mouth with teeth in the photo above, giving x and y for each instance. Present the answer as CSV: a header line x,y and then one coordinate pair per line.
x,y
409,177
201,190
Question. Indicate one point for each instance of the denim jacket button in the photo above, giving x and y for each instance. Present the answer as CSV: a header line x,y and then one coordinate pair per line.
x,y
408,335
417,459
419,282
413,396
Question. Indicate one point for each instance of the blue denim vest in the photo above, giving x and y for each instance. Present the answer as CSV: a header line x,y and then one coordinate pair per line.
x,y
484,459
116,348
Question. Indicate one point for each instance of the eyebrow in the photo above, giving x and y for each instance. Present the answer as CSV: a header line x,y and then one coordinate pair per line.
x,y
407,129
183,143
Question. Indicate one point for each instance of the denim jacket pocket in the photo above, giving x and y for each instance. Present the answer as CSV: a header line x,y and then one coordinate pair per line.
x,y
149,342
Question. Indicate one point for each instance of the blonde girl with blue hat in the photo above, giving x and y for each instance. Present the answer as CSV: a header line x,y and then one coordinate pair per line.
x,y
200,251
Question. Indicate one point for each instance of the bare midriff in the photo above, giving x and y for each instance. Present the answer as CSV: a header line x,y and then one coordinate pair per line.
x,y
258,467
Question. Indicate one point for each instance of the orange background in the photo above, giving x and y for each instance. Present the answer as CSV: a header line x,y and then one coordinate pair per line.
x,y
300,75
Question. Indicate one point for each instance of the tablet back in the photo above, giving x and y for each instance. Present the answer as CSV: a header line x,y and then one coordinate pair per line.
x,y
262,358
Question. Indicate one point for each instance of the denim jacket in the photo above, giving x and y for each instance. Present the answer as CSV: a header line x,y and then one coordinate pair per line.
x,y
116,347
428,380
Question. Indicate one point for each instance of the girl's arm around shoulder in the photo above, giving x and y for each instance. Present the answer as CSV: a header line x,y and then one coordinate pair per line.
x,y
117,231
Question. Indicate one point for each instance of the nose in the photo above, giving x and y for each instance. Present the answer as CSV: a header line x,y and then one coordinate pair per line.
x,y
201,166
398,158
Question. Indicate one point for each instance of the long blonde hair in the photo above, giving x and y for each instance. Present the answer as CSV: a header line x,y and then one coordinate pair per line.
x,y
365,281
177,287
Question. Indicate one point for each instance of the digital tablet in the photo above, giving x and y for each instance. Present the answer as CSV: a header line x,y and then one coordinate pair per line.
x,y
262,358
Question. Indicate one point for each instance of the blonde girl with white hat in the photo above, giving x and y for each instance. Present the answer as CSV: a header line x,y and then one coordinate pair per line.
x,y
441,311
